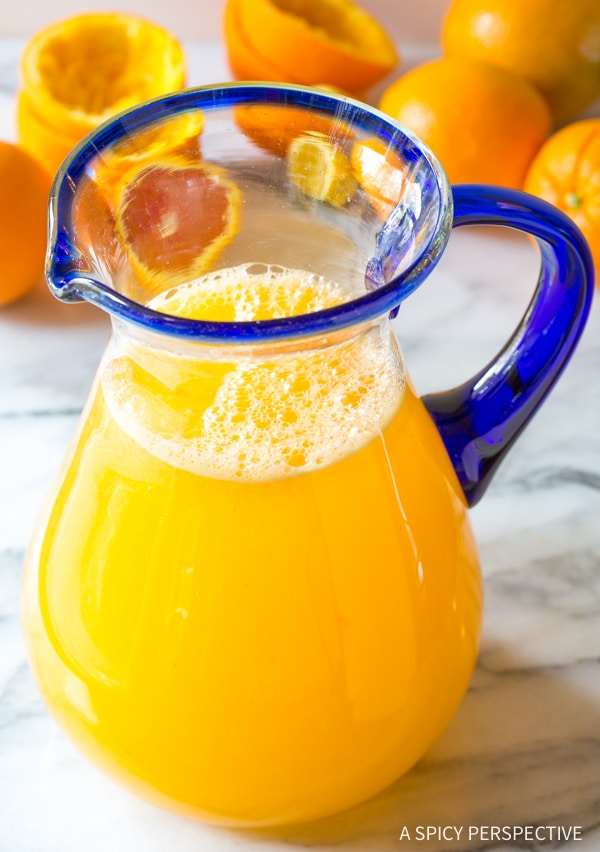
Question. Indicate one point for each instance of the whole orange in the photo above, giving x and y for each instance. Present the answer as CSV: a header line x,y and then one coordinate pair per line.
x,y
24,190
566,172
483,123
554,45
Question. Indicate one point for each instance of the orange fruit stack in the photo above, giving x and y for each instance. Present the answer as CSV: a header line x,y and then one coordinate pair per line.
x,y
509,72
554,46
78,72
24,189
307,42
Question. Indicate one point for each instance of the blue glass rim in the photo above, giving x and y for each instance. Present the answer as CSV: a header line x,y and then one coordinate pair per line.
x,y
64,275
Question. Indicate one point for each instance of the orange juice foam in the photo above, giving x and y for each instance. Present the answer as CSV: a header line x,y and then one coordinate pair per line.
x,y
267,418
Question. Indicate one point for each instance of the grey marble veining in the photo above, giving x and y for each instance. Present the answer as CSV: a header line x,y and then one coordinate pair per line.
x,y
524,747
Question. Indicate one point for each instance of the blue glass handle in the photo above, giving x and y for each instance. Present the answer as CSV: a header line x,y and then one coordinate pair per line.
x,y
480,419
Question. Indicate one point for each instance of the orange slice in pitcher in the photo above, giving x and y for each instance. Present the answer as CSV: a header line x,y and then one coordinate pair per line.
x,y
320,169
94,224
274,127
177,135
380,173
173,218
174,139
80,71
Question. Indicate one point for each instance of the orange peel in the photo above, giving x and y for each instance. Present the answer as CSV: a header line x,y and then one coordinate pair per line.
x,y
318,41
244,62
78,72
24,190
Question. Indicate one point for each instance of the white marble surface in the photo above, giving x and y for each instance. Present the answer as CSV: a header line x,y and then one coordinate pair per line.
x,y
524,747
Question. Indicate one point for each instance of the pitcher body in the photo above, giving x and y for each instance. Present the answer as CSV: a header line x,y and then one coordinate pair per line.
x,y
249,640
254,596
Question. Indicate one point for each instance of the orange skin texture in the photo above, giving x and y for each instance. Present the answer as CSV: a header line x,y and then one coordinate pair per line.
x,y
484,124
566,172
24,190
316,41
555,46
244,62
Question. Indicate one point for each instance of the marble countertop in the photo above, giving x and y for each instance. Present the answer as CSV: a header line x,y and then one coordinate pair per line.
x,y
523,749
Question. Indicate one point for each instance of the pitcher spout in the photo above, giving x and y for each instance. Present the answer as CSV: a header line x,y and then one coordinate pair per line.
x,y
155,202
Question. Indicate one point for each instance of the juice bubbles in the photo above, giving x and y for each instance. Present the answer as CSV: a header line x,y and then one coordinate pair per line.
x,y
230,607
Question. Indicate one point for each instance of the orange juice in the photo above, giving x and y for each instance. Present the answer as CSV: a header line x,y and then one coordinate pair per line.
x,y
256,597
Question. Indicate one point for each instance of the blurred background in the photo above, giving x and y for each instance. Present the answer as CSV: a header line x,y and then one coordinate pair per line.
x,y
406,21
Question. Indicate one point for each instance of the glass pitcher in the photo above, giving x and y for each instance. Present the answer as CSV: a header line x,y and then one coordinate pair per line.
x,y
255,595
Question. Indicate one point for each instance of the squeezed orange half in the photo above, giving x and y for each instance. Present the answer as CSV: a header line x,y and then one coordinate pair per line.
x,y
77,72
